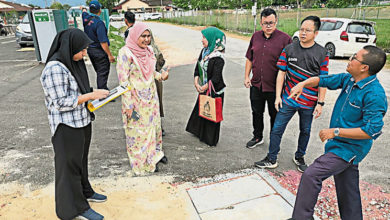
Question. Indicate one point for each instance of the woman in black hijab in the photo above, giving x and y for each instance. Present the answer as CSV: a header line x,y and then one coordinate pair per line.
x,y
66,86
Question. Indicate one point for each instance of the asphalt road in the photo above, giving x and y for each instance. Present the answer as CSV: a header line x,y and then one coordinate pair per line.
x,y
27,156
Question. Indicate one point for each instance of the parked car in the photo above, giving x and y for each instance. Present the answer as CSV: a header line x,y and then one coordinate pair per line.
x,y
23,33
153,16
117,17
343,37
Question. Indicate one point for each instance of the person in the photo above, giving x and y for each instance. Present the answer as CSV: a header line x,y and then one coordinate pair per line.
x,y
66,87
99,51
298,61
262,55
160,61
211,61
129,21
140,106
356,121
2,30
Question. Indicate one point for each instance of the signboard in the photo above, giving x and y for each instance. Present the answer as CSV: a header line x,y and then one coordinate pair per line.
x,y
41,16
254,9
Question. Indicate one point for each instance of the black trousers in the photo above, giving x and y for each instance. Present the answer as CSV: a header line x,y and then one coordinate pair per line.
x,y
258,99
72,188
101,64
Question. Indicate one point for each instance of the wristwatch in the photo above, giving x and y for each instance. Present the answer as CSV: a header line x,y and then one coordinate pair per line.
x,y
336,132
321,103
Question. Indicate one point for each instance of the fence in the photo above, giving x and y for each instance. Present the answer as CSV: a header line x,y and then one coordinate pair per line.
x,y
289,20
11,29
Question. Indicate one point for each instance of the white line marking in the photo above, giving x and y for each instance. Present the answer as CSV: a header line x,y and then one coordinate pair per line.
x,y
7,42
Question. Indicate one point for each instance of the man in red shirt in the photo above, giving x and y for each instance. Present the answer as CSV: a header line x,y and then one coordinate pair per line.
x,y
262,55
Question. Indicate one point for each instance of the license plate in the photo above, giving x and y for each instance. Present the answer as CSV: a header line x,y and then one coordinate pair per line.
x,y
361,40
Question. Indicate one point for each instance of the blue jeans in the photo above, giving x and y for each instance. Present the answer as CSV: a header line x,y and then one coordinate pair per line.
x,y
282,118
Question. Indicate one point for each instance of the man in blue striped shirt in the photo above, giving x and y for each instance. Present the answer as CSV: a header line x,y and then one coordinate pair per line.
x,y
357,120
297,62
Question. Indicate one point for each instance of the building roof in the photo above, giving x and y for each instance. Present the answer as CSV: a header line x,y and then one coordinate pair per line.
x,y
157,2
6,6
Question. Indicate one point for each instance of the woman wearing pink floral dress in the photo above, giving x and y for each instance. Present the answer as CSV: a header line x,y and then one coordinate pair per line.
x,y
140,105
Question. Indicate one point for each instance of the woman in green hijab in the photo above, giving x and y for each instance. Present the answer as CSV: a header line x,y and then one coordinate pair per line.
x,y
208,68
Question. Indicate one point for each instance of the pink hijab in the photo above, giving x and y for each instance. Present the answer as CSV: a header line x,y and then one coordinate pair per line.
x,y
145,57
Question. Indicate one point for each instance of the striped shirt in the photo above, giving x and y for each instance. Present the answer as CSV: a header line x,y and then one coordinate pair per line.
x,y
300,64
61,96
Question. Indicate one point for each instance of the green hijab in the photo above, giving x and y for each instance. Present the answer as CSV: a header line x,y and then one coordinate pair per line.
x,y
215,37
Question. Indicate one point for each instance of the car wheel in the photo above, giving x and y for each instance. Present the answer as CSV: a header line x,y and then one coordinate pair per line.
x,y
111,20
331,50
295,39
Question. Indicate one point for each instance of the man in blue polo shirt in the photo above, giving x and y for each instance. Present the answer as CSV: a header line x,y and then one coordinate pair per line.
x,y
99,51
356,121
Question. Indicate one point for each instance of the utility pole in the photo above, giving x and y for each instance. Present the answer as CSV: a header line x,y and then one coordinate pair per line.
x,y
254,12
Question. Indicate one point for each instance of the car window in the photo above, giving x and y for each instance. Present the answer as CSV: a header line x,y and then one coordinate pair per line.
x,y
338,25
327,25
360,28
25,19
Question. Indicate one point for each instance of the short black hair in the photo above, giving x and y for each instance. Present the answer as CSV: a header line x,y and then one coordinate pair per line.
x,y
315,19
267,12
375,59
94,10
130,17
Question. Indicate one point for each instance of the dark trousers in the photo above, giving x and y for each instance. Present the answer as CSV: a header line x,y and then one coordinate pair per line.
x,y
346,178
101,64
282,118
258,99
71,146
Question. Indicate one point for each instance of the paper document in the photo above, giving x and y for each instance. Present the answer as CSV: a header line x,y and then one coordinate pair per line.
x,y
114,93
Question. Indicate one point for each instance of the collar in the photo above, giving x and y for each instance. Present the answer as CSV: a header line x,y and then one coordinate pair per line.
x,y
262,33
362,83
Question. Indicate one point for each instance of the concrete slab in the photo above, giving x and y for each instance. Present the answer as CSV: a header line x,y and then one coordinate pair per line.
x,y
229,192
265,208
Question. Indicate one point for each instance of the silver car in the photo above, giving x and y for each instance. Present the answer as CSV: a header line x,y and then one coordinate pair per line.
x,y
23,33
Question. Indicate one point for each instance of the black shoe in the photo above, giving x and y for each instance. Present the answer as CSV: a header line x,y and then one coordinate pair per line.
x,y
266,163
164,160
254,142
300,162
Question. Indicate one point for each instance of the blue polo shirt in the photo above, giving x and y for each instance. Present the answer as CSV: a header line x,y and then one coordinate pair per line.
x,y
359,105
95,29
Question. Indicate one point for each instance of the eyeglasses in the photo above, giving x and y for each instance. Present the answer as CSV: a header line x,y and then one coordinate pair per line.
x,y
268,24
353,57
305,30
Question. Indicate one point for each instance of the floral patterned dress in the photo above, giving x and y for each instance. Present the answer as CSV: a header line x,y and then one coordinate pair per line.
x,y
143,136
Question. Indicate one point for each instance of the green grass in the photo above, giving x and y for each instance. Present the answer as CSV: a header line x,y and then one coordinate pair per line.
x,y
116,41
382,29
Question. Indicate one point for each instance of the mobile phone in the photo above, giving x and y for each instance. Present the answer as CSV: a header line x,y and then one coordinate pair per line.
x,y
135,116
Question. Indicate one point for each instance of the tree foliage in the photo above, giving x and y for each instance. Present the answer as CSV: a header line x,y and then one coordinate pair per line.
x,y
341,4
109,4
56,5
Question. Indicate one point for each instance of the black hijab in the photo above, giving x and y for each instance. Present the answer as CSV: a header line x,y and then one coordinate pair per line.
x,y
66,44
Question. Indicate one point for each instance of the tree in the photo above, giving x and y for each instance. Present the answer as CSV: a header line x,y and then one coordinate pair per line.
x,y
56,5
66,7
109,4
341,4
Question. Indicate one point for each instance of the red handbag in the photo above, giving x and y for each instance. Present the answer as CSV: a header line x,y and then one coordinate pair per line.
x,y
210,108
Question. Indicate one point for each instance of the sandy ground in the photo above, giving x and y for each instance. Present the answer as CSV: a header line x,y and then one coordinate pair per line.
x,y
127,197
